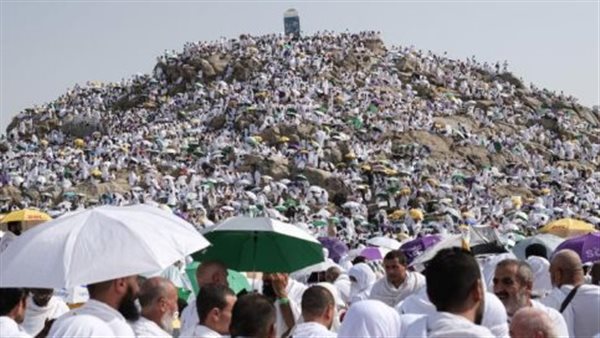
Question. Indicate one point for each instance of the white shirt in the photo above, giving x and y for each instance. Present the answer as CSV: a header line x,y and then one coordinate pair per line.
x,y
189,316
581,315
312,330
115,321
495,318
560,325
81,326
199,331
448,325
10,328
342,283
36,316
144,327
384,291
370,318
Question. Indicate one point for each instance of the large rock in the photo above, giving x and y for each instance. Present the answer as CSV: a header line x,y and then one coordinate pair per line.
x,y
207,69
532,103
218,62
333,184
477,155
485,104
510,78
217,122
276,167
408,64
11,193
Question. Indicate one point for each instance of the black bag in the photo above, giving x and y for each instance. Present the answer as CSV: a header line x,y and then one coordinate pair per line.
x,y
569,298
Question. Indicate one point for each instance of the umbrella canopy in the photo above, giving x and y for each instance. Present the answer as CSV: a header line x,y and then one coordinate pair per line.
x,y
412,249
261,244
550,241
446,242
337,249
568,227
97,245
26,215
586,246
384,242
374,253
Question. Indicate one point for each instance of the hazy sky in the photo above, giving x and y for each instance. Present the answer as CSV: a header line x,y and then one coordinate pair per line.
x,y
48,46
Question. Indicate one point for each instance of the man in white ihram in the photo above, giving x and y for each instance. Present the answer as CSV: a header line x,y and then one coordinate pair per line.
x,y
158,298
455,287
398,282
578,302
42,305
112,302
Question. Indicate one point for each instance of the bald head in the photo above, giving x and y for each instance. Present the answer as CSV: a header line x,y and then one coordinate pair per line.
x,y
529,322
566,268
332,274
211,272
158,298
154,288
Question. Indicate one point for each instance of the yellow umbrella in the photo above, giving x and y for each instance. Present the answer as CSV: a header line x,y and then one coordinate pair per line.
x,y
79,142
404,191
568,227
397,214
284,139
350,156
517,201
416,214
26,215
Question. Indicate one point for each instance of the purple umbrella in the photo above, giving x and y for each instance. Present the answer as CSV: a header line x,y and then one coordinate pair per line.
x,y
586,246
373,253
337,249
414,248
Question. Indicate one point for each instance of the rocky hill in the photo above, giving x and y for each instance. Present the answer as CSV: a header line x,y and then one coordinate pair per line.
x,y
344,111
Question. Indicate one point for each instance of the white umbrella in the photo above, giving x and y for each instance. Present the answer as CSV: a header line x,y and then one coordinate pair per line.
x,y
97,245
351,205
384,242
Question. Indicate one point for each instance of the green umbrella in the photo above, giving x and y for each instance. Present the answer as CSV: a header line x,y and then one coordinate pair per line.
x,y
319,223
260,244
237,282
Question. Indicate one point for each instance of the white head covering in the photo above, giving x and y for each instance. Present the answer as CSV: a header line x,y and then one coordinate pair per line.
x,y
365,278
541,275
370,318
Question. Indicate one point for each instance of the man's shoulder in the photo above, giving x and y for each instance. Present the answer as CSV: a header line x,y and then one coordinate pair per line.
x,y
379,285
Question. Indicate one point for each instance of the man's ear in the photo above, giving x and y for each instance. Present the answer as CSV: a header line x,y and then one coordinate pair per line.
x,y
215,313
478,292
120,285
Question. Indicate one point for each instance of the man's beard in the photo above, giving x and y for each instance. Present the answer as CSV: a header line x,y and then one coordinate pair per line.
x,y
166,322
128,308
479,313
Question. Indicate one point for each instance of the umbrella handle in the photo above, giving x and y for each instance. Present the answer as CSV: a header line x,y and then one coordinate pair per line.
x,y
255,240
